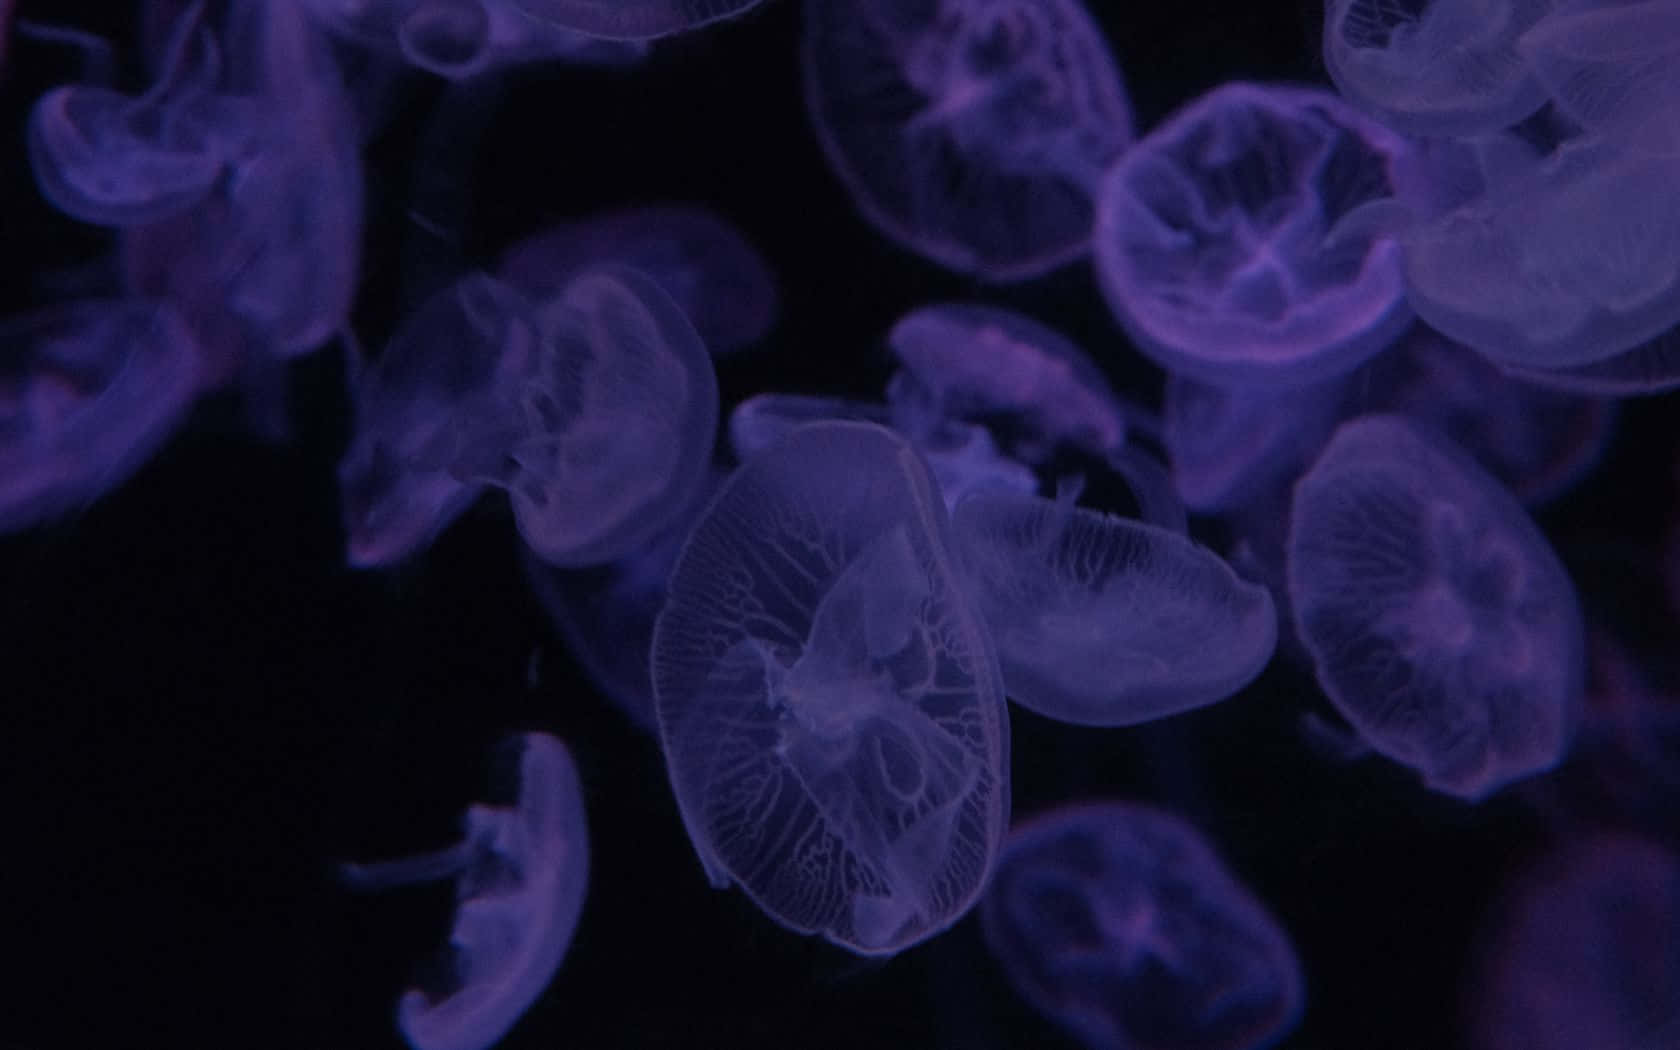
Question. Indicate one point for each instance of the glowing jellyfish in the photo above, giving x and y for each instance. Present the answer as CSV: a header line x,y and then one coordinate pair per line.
x,y
1100,620
1434,67
1120,923
1439,622
520,873
829,704
88,391
631,19
418,409
703,262
967,360
1614,69
1583,952
604,431
115,160
1211,240
972,132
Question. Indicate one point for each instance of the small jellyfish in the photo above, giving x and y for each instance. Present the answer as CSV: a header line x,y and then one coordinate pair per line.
x,y
1212,243
972,132
1614,69
1439,622
520,873
971,361
630,19
1120,923
1103,621
88,391
829,704
605,433
1584,951
702,261
1434,67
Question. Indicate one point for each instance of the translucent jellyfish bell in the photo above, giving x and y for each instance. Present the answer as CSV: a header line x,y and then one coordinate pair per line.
x,y
520,873
88,391
1439,622
1434,67
1614,69
1212,243
609,430
972,133
631,19
1120,923
1103,621
828,702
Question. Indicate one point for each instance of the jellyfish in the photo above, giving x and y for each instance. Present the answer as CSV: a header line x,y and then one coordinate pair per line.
x,y
702,261
1212,244
829,703
602,434
1613,69
1120,923
631,19
1439,622
972,132
1583,951
1652,367
1434,67
521,871
88,391
111,159
1103,621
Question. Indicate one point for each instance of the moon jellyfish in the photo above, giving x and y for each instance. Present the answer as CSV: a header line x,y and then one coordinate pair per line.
x,y
1434,67
110,159
630,19
1439,622
967,360
1211,240
1104,621
520,874
603,433
416,407
1583,952
829,704
88,391
703,262
1120,923
972,132
1614,70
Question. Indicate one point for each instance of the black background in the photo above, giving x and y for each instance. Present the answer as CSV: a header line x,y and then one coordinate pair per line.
x,y
204,710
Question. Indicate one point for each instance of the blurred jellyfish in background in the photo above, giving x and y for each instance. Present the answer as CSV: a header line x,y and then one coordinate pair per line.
x,y
1121,924
520,870
829,703
1213,241
703,263
971,132
1584,950
1103,621
630,19
1439,621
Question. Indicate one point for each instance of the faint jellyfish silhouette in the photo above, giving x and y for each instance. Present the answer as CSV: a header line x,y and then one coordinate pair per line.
x,y
1583,951
521,871
110,159
1612,68
418,409
631,19
702,261
1439,621
828,702
603,435
88,391
1434,67
1103,621
1120,923
1212,243
972,133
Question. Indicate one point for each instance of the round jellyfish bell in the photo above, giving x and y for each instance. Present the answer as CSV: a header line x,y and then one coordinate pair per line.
x,y
1434,67
1120,923
1439,622
972,133
829,703
520,873
1212,243
1104,621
